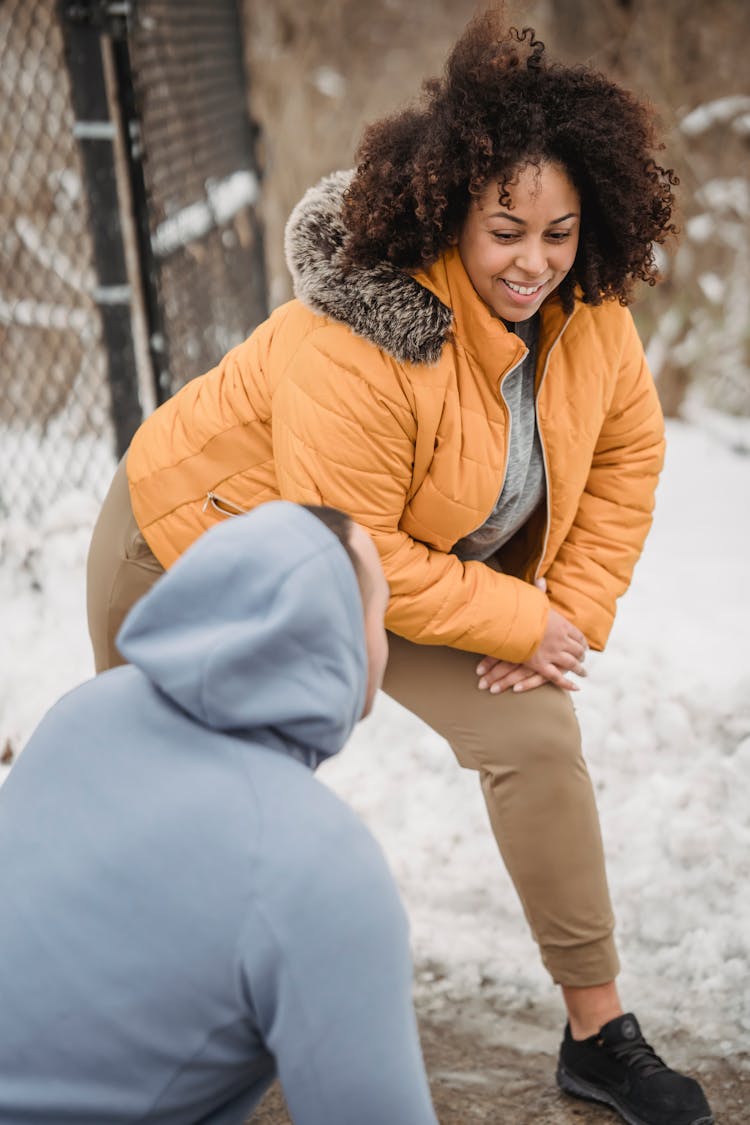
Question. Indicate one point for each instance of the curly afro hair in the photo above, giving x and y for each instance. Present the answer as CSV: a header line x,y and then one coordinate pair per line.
x,y
501,106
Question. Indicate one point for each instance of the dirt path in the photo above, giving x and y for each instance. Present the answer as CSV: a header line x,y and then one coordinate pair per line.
x,y
474,1080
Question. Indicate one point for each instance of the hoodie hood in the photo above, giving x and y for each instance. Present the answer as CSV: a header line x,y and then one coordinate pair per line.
x,y
258,630
383,304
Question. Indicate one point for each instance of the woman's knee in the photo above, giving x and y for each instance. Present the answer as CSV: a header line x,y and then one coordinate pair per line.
x,y
542,731
517,731
532,733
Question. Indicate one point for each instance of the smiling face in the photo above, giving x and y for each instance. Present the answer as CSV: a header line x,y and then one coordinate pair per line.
x,y
516,256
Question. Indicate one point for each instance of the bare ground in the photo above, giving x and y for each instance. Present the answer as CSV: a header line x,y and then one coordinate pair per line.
x,y
476,1079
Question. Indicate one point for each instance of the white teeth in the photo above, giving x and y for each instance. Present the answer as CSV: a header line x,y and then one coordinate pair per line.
x,y
524,290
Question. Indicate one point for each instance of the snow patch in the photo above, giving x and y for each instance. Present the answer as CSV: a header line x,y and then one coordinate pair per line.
x,y
721,111
224,199
329,82
732,194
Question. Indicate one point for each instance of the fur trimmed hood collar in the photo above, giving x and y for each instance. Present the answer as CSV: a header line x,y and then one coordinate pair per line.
x,y
383,304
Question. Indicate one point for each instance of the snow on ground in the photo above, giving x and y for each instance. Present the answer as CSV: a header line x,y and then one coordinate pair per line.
x,y
666,721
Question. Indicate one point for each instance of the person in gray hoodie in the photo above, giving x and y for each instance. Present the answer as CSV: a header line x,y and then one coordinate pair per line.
x,y
185,910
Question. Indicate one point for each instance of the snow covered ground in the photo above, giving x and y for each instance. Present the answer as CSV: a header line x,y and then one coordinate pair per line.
x,y
666,720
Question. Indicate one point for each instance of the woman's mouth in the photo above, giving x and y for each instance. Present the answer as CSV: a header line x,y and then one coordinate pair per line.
x,y
522,293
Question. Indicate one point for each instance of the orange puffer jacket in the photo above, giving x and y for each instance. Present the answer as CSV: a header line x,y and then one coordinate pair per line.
x,y
378,393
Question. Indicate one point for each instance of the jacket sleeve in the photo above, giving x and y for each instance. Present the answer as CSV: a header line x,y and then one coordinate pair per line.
x,y
328,976
594,565
345,438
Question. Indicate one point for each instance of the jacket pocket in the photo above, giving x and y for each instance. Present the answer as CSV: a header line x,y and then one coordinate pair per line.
x,y
223,506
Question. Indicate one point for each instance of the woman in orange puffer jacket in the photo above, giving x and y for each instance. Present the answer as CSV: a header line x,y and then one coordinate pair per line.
x,y
460,373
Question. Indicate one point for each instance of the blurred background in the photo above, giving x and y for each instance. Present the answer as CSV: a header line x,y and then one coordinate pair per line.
x,y
151,151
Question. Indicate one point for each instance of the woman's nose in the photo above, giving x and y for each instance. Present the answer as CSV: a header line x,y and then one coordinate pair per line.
x,y
532,259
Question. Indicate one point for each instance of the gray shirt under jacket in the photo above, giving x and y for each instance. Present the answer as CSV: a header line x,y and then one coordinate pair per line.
x,y
523,488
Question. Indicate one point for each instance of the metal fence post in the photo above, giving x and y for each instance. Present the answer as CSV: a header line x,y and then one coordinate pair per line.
x,y
96,132
145,273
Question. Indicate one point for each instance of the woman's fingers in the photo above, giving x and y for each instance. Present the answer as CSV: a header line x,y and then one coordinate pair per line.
x,y
569,663
558,669
495,672
504,676
560,681
533,680
576,639
514,676
557,676
567,685
522,678
572,656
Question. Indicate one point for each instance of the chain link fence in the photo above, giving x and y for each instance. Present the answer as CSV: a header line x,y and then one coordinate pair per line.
x,y
55,424
200,180
131,256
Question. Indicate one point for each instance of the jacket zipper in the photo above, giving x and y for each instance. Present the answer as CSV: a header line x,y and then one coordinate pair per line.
x,y
544,451
507,375
509,372
223,506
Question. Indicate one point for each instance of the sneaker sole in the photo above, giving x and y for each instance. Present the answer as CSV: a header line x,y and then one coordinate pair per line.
x,y
578,1088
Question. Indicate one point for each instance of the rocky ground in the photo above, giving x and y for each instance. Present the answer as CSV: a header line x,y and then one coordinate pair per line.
x,y
475,1078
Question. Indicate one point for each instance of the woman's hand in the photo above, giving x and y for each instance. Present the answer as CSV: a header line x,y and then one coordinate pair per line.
x,y
562,650
499,675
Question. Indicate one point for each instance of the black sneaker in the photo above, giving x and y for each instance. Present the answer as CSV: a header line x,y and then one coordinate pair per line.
x,y
619,1068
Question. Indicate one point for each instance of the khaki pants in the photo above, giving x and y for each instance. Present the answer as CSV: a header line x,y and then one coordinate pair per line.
x,y
120,569
526,748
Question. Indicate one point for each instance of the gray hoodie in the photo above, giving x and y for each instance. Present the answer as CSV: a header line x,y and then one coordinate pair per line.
x,y
185,911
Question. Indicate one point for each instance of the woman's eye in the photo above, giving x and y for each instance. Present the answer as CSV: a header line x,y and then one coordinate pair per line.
x,y
504,235
558,235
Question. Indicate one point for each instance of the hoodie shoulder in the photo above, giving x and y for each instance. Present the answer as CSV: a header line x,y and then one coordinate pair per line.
x,y
383,304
